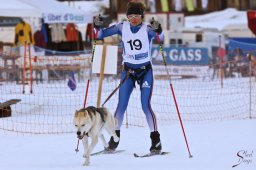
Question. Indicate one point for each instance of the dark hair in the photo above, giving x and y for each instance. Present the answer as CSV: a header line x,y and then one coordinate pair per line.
x,y
135,8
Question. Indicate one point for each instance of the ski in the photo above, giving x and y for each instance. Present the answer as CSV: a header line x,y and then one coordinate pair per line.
x,y
107,152
150,154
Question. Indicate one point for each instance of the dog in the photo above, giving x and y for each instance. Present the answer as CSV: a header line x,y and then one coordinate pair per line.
x,y
89,122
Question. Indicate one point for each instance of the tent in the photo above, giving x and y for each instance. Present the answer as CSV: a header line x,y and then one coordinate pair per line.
x,y
56,12
245,45
237,30
16,8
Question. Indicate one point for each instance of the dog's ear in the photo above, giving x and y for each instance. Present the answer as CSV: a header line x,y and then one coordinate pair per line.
x,y
76,114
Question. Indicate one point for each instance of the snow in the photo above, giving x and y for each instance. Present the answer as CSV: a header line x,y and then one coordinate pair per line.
x,y
213,146
219,19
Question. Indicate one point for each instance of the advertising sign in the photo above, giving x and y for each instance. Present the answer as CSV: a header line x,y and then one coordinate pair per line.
x,y
66,18
181,56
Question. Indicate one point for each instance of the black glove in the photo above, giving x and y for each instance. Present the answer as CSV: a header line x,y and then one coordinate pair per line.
x,y
156,26
97,22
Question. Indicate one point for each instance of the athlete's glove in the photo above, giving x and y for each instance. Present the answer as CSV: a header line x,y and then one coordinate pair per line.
x,y
97,22
156,26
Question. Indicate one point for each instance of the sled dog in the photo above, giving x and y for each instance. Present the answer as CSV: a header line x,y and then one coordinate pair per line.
x,y
89,122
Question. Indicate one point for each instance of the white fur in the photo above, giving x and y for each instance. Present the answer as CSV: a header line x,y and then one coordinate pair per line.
x,y
88,122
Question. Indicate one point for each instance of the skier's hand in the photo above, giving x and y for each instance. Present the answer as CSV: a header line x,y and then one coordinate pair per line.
x,y
156,26
97,22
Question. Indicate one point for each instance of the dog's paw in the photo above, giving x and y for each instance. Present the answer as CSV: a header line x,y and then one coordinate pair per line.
x,y
86,163
86,155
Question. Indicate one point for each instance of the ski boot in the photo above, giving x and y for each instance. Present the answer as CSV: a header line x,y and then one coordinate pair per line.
x,y
112,145
155,142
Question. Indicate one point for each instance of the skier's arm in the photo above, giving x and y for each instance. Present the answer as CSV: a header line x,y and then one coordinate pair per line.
x,y
112,30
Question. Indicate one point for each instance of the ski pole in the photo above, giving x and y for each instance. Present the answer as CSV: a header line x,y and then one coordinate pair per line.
x,y
90,74
173,94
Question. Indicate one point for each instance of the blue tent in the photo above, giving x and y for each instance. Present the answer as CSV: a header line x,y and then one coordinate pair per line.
x,y
242,46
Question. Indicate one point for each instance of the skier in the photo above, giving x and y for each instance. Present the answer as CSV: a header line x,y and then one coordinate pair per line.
x,y
137,39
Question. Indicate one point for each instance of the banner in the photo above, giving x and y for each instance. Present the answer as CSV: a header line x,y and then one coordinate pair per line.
x,y
66,18
181,56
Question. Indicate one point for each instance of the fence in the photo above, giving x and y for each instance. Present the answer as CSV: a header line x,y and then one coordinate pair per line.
x,y
49,108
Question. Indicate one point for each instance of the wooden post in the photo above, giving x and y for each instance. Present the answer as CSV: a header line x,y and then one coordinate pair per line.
x,y
102,68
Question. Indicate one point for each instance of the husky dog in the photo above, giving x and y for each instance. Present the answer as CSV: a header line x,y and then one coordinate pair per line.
x,y
89,122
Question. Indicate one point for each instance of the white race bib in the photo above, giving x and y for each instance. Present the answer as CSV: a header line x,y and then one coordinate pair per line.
x,y
136,45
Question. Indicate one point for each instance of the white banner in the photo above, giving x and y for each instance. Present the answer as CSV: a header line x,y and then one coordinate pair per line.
x,y
181,70
66,18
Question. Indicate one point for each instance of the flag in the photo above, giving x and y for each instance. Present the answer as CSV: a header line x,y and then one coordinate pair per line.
x,y
221,53
251,16
72,81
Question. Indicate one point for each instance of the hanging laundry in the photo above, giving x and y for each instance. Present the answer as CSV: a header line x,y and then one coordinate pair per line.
x,y
165,5
71,32
39,39
57,33
44,31
205,4
80,41
198,5
89,32
178,5
190,5
152,5
23,33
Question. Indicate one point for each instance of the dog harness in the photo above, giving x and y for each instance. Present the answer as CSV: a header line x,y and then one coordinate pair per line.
x,y
137,74
94,109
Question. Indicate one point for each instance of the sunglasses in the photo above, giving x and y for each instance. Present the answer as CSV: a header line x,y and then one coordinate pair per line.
x,y
133,16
